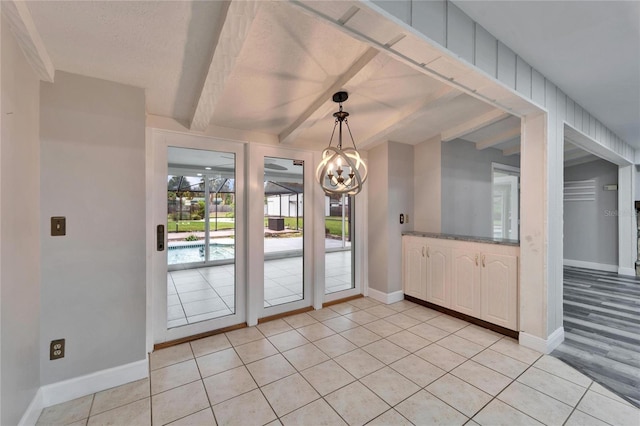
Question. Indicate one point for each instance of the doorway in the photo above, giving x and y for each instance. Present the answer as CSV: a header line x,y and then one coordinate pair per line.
x,y
198,276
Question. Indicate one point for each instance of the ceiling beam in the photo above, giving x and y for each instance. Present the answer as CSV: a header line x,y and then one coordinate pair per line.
x,y
24,30
494,140
574,155
235,29
407,114
474,124
569,147
511,151
315,111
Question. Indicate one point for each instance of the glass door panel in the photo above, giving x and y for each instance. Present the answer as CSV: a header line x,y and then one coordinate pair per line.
x,y
339,253
283,231
201,262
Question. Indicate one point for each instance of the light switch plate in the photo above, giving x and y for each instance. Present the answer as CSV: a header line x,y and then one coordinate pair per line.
x,y
58,226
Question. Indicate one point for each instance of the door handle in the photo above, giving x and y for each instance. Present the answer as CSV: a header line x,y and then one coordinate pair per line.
x,y
422,251
476,259
483,261
160,238
427,251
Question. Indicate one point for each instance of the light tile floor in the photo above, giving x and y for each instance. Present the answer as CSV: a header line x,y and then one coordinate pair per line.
x,y
195,295
355,363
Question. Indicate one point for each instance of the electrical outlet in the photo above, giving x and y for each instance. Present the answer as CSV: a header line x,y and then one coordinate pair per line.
x,y
401,219
406,218
56,350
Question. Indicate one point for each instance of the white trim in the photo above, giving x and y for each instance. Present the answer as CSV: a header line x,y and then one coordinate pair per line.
x,y
386,298
593,265
28,38
67,390
546,346
626,271
31,416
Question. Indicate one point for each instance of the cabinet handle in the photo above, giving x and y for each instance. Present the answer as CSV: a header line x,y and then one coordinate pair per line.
x,y
422,251
483,261
476,260
427,251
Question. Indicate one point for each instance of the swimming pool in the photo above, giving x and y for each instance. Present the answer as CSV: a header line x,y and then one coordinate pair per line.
x,y
195,253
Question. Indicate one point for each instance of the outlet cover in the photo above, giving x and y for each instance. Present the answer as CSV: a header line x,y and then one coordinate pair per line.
x,y
56,349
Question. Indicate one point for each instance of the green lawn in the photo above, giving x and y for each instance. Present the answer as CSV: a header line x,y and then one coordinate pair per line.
x,y
333,224
196,226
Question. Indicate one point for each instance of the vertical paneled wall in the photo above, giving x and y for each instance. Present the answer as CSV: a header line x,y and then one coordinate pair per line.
x,y
444,23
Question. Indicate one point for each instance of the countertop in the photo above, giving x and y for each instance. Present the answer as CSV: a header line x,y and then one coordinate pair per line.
x,y
486,240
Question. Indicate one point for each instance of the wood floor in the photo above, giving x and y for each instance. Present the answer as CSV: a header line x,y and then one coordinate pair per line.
x,y
602,329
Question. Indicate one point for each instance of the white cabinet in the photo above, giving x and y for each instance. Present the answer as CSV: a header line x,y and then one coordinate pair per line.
x,y
499,289
465,282
426,270
438,272
476,279
414,267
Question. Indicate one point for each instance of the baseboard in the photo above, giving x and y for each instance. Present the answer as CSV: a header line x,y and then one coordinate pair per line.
x,y
386,298
67,390
626,271
31,416
593,265
546,346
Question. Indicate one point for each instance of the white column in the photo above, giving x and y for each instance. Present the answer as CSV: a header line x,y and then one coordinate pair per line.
x,y
627,228
540,180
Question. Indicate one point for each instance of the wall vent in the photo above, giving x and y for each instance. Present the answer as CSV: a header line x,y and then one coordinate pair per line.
x,y
580,190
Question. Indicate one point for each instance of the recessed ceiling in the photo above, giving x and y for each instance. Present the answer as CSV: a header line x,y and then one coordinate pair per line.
x,y
590,49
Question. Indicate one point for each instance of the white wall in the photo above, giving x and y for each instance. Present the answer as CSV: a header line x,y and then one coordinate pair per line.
x,y
93,173
19,232
591,227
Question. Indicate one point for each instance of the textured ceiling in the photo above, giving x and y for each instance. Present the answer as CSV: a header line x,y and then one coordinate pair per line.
x,y
590,49
163,47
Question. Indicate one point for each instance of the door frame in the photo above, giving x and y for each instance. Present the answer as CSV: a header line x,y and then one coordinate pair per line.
x,y
158,142
255,220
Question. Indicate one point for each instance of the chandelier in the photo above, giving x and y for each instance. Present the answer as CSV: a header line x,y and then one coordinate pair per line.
x,y
341,170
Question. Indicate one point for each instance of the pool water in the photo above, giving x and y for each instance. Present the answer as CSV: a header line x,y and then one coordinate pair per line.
x,y
195,253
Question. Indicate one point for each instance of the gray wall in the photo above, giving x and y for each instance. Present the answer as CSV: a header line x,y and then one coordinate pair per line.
x,y
93,172
390,193
427,186
19,233
378,202
400,201
466,187
591,227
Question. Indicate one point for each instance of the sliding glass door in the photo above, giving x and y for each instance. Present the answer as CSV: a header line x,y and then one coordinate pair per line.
x,y
200,285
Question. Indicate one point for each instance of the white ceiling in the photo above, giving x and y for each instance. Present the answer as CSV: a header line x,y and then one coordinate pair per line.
x,y
287,65
163,47
590,49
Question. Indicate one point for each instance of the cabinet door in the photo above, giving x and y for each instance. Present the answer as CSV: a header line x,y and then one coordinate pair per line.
x,y
465,282
414,268
438,277
500,290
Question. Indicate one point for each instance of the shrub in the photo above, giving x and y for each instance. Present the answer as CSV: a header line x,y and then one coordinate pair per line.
x,y
191,238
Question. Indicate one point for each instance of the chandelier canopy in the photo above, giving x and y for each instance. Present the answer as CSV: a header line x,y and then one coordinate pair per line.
x,y
342,170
